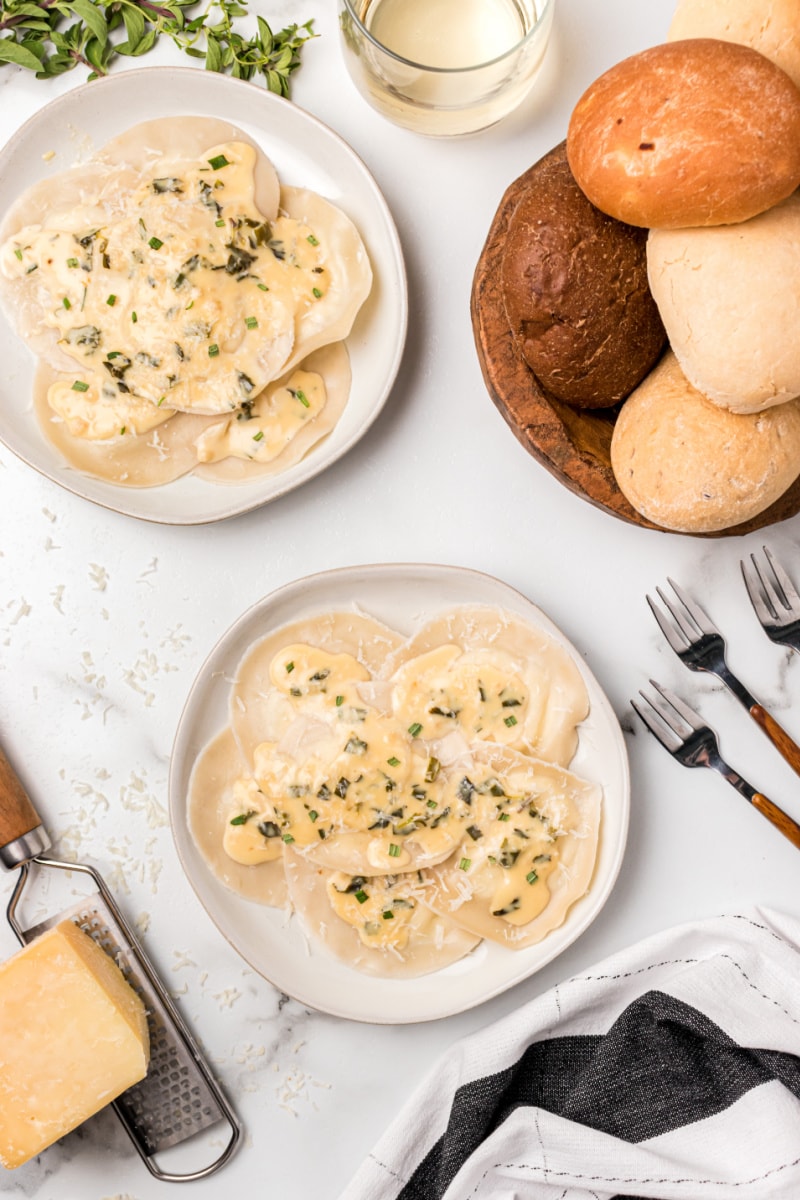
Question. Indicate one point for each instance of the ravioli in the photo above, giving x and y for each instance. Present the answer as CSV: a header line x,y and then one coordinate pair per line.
x,y
262,707
383,774
492,677
529,854
212,804
380,926
170,276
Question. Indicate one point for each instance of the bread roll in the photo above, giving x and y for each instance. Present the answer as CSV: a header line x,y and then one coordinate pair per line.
x,y
730,300
698,132
773,29
690,466
575,290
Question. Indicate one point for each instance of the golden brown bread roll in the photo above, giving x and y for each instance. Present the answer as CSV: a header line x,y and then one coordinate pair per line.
x,y
773,28
690,466
696,132
575,290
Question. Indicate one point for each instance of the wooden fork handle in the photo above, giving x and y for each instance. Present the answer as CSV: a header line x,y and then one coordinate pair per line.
x,y
777,735
17,814
778,817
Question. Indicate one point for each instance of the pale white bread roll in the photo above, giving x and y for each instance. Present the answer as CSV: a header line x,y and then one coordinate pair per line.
x,y
771,27
693,467
728,297
698,132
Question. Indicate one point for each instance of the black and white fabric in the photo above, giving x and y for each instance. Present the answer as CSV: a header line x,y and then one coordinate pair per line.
x,y
670,1071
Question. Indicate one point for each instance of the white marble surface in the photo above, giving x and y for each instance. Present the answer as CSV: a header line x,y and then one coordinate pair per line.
x,y
104,623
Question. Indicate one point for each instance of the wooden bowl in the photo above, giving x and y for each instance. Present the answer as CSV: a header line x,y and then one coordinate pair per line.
x,y
573,444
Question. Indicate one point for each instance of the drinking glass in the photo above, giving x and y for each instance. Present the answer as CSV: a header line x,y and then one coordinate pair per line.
x,y
444,67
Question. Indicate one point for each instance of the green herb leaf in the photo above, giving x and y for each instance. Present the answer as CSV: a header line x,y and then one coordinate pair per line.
x,y
53,36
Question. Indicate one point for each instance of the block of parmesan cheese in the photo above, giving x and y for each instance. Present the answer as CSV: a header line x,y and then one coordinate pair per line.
x,y
73,1036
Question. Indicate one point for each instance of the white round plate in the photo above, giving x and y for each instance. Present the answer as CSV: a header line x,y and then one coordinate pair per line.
x,y
306,154
404,597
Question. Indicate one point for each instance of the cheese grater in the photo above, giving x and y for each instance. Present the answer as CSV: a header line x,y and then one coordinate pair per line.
x,y
178,1097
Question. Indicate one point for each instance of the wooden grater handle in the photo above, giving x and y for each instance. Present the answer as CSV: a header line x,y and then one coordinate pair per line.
x,y
17,814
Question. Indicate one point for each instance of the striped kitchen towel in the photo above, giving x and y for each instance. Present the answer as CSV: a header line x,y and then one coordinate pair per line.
x,y
670,1070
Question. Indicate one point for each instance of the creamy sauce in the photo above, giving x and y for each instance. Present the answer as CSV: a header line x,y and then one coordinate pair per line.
x,y
382,908
170,275
478,691
263,431
188,298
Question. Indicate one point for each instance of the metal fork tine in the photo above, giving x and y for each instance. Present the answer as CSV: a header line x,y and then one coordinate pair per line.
x,y
656,725
790,593
681,619
702,619
676,638
668,711
692,718
758,591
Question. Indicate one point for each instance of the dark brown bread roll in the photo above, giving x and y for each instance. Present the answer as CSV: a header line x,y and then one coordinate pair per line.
x,y
695,132
575,290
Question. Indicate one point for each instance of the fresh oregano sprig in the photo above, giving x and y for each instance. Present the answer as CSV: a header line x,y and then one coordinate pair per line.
x,y
53,36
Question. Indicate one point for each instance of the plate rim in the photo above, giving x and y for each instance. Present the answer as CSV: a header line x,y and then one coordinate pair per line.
x,y
180,773
65,476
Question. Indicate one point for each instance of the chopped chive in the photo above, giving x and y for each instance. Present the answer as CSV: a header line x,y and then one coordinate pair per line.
x,y
263,287
72,262
18,253
113,354
394,850
289,668
287,837
161,401
213,350
532,876
301,396
80,386
314,241
361,896
134,318
388,915
312,814
218,162
393,762
432,769
66,303
465,864
122,430
257,437
243,818
415,730
432,804
509,721
251,322
316,293
189,305
111,301
503,817
219,223
339,701
155,243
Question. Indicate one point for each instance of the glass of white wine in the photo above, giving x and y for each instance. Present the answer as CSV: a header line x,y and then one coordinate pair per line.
x,y
444,67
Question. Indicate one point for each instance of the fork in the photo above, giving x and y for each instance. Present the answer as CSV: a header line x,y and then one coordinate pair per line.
x,y
687,737
699,644
774,597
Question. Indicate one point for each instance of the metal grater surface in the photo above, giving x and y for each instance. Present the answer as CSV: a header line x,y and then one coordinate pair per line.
x,y
173,1102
